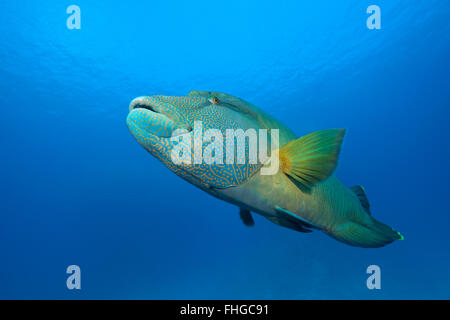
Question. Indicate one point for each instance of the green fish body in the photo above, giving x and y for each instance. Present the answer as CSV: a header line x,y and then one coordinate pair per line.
x,y
302,195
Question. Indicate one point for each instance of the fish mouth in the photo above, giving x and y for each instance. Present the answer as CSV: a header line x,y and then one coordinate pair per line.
x,y
152,118
142,103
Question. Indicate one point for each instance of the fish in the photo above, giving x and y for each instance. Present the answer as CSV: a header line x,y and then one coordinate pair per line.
x,y
301,193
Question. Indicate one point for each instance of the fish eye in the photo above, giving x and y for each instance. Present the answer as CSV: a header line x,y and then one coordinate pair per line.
x,y
214,100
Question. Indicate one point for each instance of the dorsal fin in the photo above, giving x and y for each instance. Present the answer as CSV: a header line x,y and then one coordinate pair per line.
x,y
361,194
247,109
233,102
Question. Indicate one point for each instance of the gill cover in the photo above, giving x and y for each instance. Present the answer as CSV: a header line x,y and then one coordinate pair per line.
x,y
217,119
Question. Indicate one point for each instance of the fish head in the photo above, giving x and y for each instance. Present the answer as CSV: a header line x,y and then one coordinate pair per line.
x,y
162,123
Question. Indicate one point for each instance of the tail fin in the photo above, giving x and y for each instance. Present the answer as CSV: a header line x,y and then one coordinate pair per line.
x,y
371,235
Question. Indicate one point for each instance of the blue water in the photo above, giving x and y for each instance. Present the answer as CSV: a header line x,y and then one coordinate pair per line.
x,y
76,188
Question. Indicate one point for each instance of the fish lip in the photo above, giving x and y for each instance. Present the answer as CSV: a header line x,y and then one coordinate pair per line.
x,y
143,103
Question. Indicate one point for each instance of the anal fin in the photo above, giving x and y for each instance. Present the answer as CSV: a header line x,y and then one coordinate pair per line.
x,y
302,224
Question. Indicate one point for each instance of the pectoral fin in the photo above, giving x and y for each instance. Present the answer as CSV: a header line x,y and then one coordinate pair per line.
x,y
302,224
246,217
312,158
